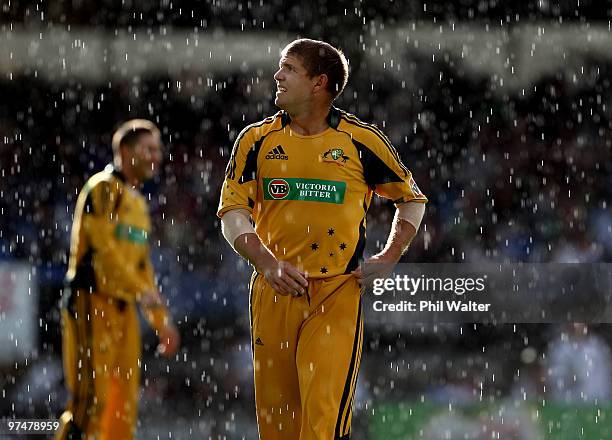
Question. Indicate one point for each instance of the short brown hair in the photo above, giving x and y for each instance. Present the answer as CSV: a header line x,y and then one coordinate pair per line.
x,y
320,58
128,133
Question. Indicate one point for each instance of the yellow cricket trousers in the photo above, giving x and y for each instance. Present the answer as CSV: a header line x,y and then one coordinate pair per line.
x,y
306,355
101,349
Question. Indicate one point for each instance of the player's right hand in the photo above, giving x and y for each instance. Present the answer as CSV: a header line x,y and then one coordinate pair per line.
x,y
286,279
169,340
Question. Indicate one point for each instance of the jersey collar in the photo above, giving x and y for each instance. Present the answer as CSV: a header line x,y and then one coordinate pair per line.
x,y
333,118
115,172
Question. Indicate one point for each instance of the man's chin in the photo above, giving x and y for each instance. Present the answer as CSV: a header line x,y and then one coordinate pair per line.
x,y
280,104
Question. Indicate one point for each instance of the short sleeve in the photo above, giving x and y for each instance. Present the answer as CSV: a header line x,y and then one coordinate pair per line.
x,y
115,274
240,184
383,169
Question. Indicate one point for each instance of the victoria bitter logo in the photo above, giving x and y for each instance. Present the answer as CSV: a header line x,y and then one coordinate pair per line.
x,y
278,188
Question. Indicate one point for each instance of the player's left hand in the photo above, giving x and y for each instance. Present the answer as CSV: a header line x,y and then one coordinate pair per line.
x,y
169,340
377,266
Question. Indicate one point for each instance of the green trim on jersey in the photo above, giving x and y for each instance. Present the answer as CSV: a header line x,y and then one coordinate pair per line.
x,y
131,233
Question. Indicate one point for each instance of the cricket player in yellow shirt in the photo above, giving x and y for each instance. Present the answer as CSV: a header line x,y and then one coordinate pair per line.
x,y
109,272
305,177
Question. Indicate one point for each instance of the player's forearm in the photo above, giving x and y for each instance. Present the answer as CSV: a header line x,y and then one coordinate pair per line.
x,y
154,308
406,222
240,234
157,315
400,237
253,250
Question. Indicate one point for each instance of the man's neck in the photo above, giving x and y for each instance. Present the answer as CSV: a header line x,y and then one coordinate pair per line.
x,y
310,123
129,176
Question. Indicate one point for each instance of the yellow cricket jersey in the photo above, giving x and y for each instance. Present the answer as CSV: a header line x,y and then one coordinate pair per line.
x,y
109,250
308,195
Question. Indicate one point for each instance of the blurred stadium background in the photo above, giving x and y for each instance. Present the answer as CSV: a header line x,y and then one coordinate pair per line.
x,y
501,110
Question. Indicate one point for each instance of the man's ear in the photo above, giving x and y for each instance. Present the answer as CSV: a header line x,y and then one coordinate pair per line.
x,y
320,83
127,155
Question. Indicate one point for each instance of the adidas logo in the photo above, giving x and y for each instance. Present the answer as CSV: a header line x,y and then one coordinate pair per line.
x,y
258,342
277,153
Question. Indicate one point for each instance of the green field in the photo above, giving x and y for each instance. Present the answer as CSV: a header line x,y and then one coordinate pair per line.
x,y
406,420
